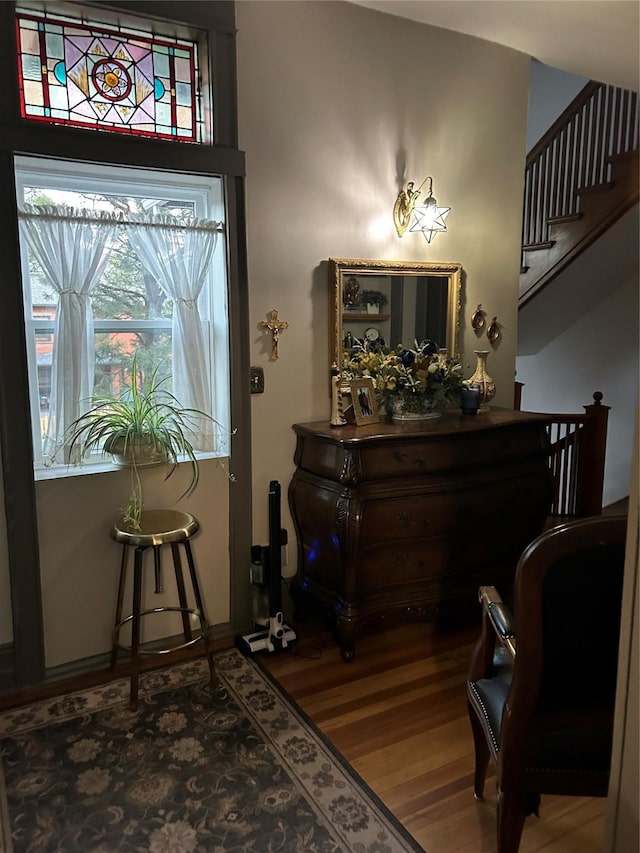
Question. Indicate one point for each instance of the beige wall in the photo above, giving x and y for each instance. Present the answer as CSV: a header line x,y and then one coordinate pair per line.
x,y
338,105
80,563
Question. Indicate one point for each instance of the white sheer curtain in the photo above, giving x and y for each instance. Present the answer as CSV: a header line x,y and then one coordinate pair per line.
x,y
72,247
178,254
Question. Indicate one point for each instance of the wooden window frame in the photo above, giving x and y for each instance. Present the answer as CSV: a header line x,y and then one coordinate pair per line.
x,y
23,663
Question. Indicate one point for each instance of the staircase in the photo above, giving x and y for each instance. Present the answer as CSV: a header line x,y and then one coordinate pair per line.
x,y
580,178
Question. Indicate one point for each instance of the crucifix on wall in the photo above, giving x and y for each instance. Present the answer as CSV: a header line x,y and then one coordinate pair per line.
x,y
275,326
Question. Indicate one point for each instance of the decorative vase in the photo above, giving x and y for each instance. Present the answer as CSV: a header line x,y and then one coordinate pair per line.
x,y
483,380
421,408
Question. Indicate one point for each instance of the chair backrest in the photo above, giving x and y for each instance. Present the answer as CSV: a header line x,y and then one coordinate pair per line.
x,y
567,605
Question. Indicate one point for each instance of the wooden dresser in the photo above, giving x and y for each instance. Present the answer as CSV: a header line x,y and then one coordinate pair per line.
x,y
410,520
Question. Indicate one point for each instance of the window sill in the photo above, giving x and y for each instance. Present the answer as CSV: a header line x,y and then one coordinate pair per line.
x,y
59,472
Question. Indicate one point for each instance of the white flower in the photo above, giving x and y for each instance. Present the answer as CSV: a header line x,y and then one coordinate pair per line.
x,y
93,781
172,722
83,750
186,749
172,837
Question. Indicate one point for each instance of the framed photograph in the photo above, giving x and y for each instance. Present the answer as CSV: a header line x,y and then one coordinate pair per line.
x,y
363,398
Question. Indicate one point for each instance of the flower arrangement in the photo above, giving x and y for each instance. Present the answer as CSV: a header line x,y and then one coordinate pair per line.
x,y
418,381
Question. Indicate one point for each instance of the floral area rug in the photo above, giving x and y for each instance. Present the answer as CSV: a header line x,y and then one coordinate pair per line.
x,y
193,770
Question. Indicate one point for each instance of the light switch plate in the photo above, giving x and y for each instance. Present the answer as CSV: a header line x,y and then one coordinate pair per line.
x,y
257,380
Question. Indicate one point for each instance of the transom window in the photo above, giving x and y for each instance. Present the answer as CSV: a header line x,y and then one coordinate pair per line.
x,y
118,78
136,260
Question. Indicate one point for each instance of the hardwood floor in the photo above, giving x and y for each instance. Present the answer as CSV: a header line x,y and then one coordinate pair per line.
x,y
398,714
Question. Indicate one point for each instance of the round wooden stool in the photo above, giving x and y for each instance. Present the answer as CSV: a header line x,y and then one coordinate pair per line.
x,y
158,528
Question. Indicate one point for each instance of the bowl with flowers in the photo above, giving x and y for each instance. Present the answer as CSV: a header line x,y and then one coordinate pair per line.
x,y
412,383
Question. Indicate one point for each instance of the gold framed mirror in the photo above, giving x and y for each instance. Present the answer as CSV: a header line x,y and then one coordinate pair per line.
x,y
410,300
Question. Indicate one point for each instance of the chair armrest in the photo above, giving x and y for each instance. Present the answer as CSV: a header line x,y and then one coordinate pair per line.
x,y
499,617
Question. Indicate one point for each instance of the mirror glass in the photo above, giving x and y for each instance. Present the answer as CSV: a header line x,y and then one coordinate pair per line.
x,y
393,302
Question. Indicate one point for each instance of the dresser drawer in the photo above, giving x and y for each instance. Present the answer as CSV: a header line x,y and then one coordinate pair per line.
x,y
443,562
432,560
409,458
416,517
449,508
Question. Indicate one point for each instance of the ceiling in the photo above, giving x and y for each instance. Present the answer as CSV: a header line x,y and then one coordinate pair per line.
x,y
597,39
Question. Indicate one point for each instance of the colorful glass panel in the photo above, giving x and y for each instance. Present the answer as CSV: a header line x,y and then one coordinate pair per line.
x,y
77,73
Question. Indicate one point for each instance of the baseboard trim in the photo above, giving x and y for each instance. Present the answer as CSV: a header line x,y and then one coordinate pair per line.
x,y
7,668
96,663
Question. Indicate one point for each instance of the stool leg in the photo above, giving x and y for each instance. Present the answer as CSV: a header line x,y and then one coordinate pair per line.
x,y
123,574
157,568
182,594
200,606
135,627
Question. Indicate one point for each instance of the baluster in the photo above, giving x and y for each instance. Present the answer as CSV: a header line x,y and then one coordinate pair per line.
x,y
580,152
597,115
566,463
575,467
633,131
526,218
588,159
544,201
571,168
624,122
622,118
611,115
534,199
541,196
554,205
576,157
617,95
555,466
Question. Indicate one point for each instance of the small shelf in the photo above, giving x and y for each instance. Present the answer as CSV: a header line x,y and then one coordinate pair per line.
x,y
348,316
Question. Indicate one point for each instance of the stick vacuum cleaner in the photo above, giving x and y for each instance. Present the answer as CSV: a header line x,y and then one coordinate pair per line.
x,y
271,634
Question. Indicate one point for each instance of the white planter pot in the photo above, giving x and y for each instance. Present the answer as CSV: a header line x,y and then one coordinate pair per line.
x,y
372,309
429,409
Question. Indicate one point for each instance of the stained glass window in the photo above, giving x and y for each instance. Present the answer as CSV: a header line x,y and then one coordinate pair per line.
x,y
78,73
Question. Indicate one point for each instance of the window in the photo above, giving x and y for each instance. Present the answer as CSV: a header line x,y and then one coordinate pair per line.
x,y
171,314
118,78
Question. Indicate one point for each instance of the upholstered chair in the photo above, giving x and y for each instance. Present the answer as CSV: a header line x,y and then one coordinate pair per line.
x,y
542,679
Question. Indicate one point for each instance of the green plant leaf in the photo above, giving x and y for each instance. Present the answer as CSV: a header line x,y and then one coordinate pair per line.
x,y
145,418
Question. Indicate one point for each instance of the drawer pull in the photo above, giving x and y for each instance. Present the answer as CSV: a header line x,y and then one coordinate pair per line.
x,y
405,459
403,518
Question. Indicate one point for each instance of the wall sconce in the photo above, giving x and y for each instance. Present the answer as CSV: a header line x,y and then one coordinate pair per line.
x,y
428,218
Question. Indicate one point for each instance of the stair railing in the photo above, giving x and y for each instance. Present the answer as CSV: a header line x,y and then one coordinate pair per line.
x,y
577,451
600,123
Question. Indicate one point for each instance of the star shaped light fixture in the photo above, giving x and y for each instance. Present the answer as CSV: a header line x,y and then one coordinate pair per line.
x,y
428,218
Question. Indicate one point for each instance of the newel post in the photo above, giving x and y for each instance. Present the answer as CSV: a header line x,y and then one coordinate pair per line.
x,y
517,395
593,446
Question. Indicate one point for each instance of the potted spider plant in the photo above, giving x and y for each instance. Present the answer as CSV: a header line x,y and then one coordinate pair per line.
x,y
143,425
375,300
